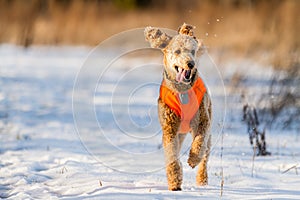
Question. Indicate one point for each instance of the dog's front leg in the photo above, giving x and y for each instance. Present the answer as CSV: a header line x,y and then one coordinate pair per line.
x,y
201,136
173,165
197,150
202,177
170,124
200,148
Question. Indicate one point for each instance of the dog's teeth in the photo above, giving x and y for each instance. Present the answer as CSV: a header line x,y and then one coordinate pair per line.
x,y
187,74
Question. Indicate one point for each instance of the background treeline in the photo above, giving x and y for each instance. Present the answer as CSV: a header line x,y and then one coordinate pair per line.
x,y
269,28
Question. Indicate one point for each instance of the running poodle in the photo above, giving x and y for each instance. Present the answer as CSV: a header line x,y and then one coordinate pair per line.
x,y
184,104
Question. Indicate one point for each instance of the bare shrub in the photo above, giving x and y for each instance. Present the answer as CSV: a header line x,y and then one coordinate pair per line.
x,y
248,27
250,117
281,104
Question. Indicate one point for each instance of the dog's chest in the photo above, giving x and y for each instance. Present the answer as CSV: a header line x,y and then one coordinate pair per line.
x,y
184,105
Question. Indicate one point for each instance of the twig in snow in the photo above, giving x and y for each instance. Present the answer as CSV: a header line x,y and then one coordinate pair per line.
x,y
241,167
63,170
253,159
293,167
222,174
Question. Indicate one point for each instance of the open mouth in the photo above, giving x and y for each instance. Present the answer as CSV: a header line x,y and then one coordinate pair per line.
x,y
183,75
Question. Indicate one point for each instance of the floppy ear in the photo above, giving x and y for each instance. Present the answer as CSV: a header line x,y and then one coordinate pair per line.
x,y
186,29
156,37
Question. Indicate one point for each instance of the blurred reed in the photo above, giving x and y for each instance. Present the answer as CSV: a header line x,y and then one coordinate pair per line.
x,y
264,29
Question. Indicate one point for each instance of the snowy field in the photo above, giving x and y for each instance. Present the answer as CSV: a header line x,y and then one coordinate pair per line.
x,y
102,140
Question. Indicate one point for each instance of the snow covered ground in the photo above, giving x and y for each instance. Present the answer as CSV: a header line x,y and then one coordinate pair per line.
x,y
103,140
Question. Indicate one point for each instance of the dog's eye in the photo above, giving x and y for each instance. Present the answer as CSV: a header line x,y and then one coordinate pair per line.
x,y
193,52
177,51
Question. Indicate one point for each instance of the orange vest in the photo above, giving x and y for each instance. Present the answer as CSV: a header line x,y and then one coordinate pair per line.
x,y
185,105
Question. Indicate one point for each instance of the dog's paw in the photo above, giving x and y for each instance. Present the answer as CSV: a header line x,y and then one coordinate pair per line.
x,y
193,160
175,189
202,182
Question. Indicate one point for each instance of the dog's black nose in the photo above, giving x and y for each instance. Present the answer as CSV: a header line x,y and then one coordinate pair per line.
x,y
191,64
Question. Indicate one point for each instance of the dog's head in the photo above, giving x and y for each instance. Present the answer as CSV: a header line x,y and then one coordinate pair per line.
x,y
179,51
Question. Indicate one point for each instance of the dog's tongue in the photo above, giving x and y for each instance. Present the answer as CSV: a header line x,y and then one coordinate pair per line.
x,y
180,75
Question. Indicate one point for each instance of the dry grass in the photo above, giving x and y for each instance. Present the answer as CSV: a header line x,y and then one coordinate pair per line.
x,y
268,28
